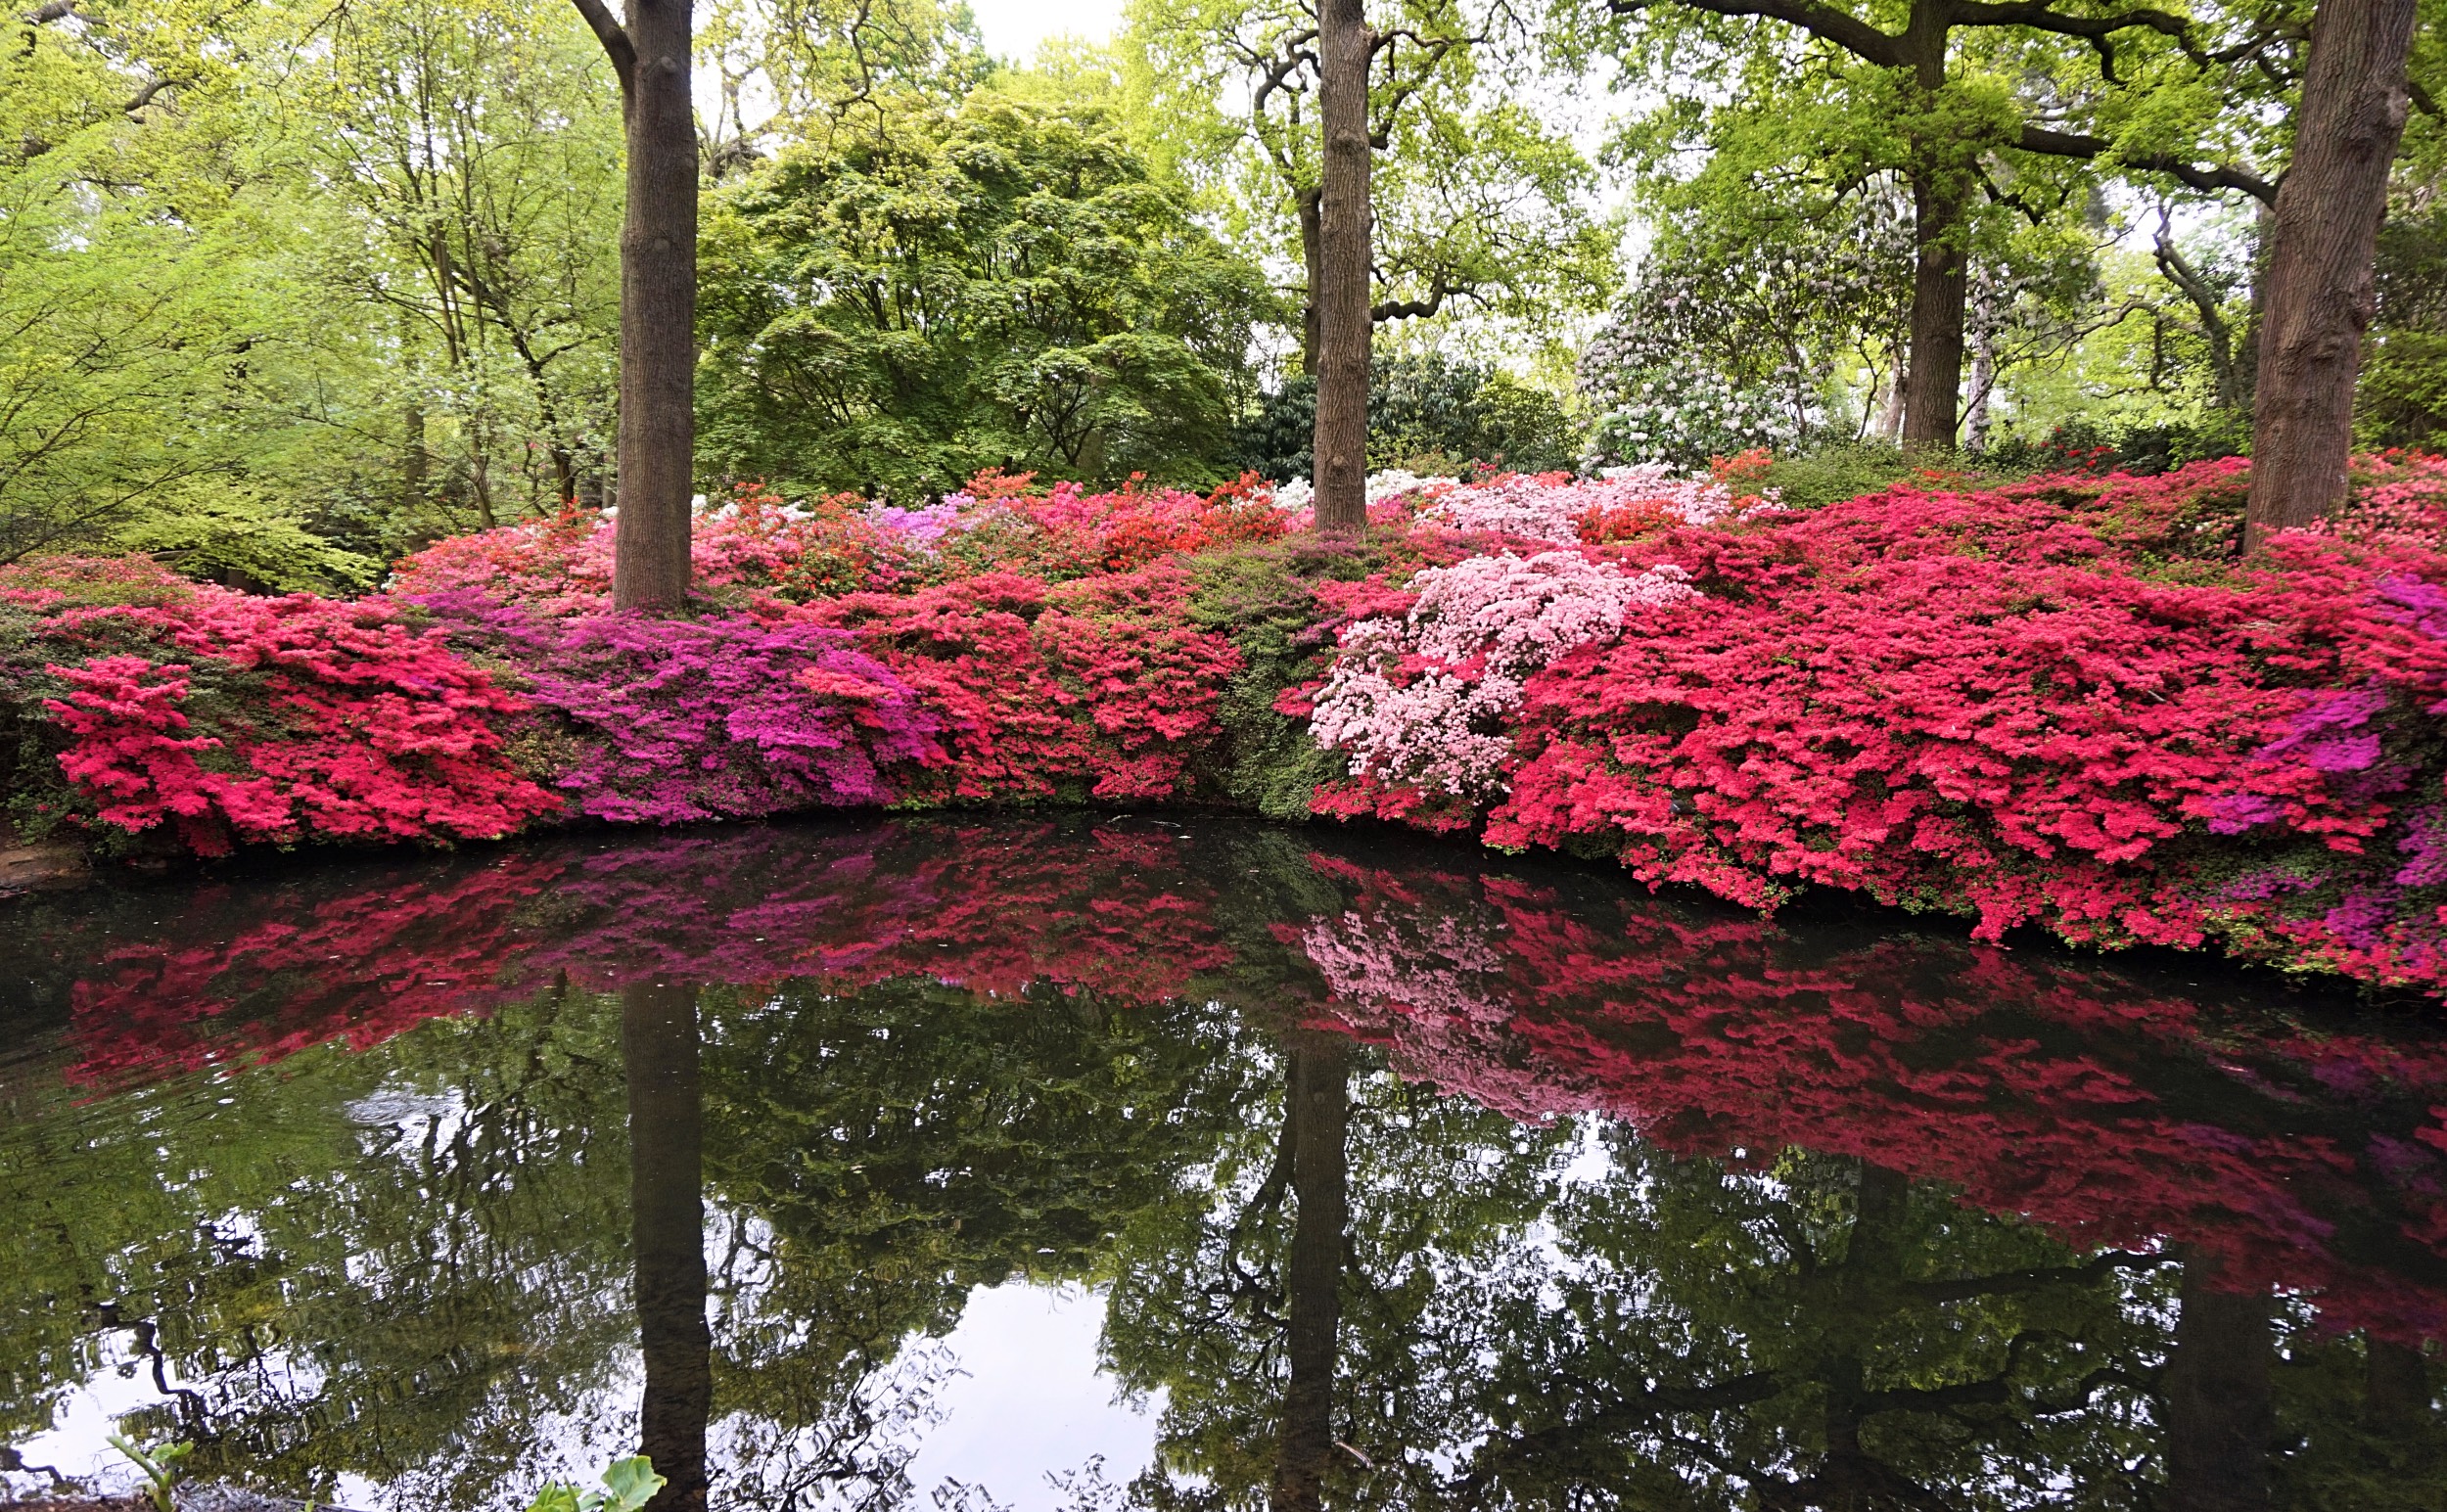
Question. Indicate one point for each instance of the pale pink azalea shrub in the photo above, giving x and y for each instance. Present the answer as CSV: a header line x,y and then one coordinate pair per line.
x,y
1425,701
1554,506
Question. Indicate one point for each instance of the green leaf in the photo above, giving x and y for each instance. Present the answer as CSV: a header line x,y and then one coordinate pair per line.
x,y
632,1484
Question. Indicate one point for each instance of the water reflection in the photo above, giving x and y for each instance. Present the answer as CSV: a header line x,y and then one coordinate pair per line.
x,y
659,1052
1408,1179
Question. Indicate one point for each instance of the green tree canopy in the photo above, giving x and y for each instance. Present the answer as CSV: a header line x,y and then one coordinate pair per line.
x,y
1001,284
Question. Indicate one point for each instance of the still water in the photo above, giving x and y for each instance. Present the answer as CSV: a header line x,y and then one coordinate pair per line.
x,y
1089,1163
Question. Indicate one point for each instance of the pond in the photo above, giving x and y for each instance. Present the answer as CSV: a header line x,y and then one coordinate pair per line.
x,y
1100,1161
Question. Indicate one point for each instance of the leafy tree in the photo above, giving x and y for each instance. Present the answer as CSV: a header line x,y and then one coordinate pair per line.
x,y
1004,283
654,57
1981,113
1426,409
1476,200
2321,244
466,154
1477,194
154,354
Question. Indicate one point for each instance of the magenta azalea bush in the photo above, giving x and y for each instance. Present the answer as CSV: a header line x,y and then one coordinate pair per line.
x,y
2061,702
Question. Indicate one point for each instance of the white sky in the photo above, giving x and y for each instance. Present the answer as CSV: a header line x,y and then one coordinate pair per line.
x,y
1014,27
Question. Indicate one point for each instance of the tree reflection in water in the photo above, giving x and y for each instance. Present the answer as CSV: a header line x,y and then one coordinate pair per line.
x,y
666,1227
1413,1180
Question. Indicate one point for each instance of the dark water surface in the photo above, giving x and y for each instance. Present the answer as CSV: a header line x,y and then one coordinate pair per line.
x,y
1090,1162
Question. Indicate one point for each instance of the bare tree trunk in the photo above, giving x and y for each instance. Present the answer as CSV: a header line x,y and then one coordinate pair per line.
x,y
1341,289
2218,1414
666,1217
2329,210
1983,373
1318,1106
2214,330
658,314
1312,237
1933,379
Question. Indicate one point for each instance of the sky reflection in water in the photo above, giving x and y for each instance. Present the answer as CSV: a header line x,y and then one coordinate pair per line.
x,y
386,1179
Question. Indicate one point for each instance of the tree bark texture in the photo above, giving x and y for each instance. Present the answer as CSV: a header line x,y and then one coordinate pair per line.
x,y
1312,238
1341,287
658,429
2320,294
666,1217
1933,393
2219,1415
1318,1104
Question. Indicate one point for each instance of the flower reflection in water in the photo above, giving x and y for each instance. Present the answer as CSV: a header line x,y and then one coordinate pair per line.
x,y
1408,1180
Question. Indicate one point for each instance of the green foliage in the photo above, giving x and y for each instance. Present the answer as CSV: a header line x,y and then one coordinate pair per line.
x,y
1835,472
2402,397
1004,284
1263,597
1426,406
627,1485
158,1465
214,529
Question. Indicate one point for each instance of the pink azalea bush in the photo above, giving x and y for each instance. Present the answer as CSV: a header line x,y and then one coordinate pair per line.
x,y
1559,507
666,721
1424,702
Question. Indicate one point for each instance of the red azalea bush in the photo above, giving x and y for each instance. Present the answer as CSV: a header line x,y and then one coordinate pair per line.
x,y
1098,688
1982,702
232,717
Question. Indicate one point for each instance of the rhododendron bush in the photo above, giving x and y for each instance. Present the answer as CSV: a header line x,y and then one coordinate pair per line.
x,y
2061,702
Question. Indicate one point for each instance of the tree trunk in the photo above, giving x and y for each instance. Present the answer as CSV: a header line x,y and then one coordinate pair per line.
x,y
666,1216
2219,1418
658,315
2329,210
1318,1104
1341,290
1983,373
1933,380
1311,236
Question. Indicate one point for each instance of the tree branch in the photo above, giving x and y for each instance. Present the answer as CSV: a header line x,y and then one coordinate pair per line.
x,y
56,10
2032,1279
145,96
1438,291
2216,177
614,40
1847,32
2039,17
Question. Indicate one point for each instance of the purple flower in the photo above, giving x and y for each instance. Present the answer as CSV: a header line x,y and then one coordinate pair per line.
x,y
687,720
921,527
2316,732
2425,604
2232,813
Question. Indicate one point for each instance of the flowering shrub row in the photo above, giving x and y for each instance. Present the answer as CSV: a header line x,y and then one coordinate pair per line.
x,y
2062,702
